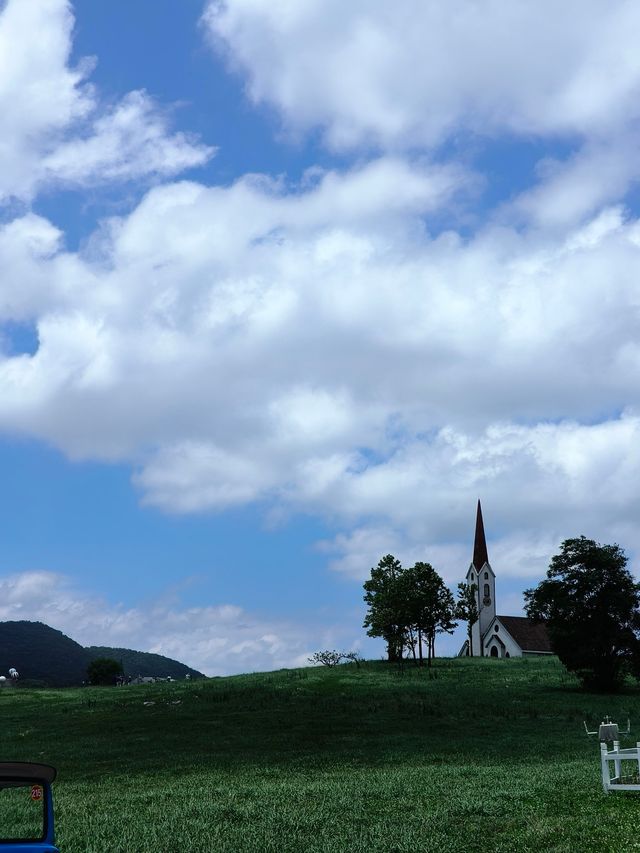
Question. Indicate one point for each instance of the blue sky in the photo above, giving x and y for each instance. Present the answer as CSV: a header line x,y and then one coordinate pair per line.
x,y
286,287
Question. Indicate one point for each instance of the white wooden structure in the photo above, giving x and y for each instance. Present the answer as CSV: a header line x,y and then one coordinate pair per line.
x,y
626,776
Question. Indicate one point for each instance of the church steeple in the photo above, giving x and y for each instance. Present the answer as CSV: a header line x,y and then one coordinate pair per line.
x,y
480,555
480,575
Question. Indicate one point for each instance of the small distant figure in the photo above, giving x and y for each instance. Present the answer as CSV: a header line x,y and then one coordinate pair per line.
x,y
13,674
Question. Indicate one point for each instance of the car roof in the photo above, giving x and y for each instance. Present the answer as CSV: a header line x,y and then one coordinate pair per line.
x,y
27,770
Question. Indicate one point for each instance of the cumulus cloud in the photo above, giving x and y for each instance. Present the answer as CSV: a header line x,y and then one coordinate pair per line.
x,y
217,639
329,345
295,347
417,74
372,76
541,484
55,130
260,342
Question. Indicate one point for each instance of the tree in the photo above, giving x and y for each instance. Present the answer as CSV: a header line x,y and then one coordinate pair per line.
x,y
590,604
386,616
467,608
429,606
104,671
330,657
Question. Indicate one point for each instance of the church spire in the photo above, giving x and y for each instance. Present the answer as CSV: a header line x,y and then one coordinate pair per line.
x,y
480,555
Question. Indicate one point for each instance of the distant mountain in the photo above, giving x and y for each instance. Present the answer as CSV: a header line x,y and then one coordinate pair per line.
x,y
43,654
144,663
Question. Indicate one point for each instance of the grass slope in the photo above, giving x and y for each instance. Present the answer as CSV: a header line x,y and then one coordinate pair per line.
x,y
485,755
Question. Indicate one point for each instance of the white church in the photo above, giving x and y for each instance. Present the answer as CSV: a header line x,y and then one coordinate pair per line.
x,y
491,635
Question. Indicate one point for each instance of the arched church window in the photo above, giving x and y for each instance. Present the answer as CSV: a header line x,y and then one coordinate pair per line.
x,y
472,577
486,576
507,655
496,627
494,652
486,591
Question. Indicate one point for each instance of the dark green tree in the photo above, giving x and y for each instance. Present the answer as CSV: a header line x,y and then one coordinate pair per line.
x,y
467,608
386,616
104,671
590,604
429,607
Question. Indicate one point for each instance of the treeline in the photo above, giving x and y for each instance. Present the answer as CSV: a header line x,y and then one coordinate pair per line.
x,y
409,607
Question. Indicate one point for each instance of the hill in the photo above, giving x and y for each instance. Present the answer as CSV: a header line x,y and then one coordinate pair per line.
x,y
144,663
476,755
43,654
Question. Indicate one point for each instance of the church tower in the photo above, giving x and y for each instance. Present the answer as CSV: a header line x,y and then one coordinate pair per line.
x,y
481,574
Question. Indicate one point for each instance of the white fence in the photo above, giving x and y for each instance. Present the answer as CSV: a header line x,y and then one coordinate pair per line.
x,y
626,767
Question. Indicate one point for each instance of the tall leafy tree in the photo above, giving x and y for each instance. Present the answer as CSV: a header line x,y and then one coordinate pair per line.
x,y
386,616
104,671
430,608
467,608
590,604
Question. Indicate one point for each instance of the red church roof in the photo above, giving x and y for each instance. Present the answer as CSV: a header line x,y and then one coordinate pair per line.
x,y
480,555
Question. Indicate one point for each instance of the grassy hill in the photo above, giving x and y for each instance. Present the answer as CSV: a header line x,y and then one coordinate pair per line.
x,y
481,755
44,655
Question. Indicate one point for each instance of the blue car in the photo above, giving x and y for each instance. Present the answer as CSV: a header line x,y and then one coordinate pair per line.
x,y
26,807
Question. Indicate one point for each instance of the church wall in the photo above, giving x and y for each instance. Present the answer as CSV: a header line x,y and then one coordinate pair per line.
x,y
502,640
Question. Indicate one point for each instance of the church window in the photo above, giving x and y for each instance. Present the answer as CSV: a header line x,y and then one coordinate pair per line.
x,y
486,576
472,577
486,591
496,628
494,652
507,655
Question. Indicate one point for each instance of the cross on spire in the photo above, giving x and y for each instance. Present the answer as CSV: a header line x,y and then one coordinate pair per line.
x,y
480,555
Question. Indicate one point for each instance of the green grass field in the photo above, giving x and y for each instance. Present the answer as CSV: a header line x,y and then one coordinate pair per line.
x,y
482,755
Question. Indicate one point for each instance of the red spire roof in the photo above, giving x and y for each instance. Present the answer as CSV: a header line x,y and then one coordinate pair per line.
x,y
480,555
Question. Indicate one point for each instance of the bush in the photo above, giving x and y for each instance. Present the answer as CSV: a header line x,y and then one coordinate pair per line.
x,y
333,658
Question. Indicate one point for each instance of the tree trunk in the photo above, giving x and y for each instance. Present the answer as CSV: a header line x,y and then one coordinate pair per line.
x,y
420,646
412,640
392,654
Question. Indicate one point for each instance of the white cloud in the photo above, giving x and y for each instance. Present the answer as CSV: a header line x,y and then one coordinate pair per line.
x,y
125,142
372,75
55,131
371,72
326,346
570,191
216,639
539,485
291,346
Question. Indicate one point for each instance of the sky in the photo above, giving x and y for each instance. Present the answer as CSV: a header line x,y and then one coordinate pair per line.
x,y
287,285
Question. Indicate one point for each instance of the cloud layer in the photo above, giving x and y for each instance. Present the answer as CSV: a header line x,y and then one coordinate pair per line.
x,y
370,343
219,640
249,343
414,75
